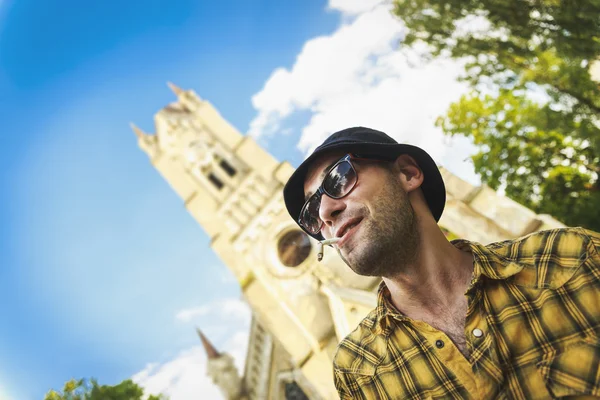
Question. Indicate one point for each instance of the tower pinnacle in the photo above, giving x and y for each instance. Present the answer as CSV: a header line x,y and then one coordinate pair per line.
x,y
221,368
138,132
176,89
211,352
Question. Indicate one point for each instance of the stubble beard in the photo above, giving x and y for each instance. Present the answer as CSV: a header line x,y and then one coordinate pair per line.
x,y
390,239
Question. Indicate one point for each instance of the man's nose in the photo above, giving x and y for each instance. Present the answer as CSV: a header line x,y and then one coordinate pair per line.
x,y
330,208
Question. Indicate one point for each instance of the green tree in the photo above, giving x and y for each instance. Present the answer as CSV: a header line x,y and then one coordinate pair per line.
x,y
545,153
90,390
547,42
533,150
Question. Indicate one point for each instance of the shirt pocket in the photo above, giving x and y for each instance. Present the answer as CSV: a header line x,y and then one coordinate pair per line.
x,y
574,370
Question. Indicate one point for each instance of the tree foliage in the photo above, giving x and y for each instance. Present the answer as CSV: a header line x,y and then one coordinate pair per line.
x,y
524,144
90,390
545,152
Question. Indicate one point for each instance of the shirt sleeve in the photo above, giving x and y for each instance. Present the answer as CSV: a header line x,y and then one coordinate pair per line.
x,y
340,385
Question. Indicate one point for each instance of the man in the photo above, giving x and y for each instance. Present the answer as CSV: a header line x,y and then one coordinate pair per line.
x,y
517,319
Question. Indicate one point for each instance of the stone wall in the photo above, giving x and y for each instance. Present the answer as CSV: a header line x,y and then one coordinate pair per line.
x,y
480,214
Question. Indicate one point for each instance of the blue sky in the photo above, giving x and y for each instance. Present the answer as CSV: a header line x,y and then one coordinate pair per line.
x,y
97,253
98,257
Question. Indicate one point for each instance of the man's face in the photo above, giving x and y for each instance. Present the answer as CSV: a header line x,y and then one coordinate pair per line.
x,y
376,221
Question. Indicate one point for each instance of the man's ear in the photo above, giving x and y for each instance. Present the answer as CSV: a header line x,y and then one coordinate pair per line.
x,y
411,175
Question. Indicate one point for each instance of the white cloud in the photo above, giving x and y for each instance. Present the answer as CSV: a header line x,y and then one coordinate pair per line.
x,y
353,7
236,309
185,376
188,314
230,309
182,378
358,76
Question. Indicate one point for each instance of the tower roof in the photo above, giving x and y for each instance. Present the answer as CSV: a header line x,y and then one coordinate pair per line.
x,y
211,351
138,132
176,89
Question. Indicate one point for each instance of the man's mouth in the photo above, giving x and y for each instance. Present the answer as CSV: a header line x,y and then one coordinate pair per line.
x,y
346,230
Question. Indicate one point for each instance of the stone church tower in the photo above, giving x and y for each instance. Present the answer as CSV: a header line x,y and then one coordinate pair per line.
x,y
301,308
222,370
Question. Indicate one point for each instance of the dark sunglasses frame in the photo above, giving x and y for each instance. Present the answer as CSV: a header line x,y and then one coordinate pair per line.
x,y
321,190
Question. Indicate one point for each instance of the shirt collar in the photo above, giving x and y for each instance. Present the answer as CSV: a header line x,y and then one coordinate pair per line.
x,y
385,310
488,263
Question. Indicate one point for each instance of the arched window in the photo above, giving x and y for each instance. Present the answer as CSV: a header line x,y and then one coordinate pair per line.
x,y
293,392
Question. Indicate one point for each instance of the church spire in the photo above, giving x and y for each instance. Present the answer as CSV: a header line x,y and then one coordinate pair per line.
x,y
138,132
221,368
147,142
211,352
176,89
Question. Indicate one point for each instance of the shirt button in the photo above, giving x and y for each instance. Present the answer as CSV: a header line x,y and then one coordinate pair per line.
x,y
477,332
439,344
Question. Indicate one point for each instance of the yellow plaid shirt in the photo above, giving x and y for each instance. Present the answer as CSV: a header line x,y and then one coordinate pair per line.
x,y
532,328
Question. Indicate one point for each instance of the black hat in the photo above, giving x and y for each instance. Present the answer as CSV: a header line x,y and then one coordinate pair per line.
x,y
366,141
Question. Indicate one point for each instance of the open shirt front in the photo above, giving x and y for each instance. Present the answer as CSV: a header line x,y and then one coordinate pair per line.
x,y
532,330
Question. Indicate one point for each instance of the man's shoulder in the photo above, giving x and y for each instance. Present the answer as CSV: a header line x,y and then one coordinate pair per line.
x,y
549,257
362,350
563,242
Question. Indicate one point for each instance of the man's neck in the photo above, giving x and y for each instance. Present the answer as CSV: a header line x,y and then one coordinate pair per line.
x,y
435,282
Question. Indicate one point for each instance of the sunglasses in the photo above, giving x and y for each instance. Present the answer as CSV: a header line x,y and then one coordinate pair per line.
x,y
339,181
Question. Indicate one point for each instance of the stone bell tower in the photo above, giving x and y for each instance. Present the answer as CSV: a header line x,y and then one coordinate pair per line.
x,y
233,188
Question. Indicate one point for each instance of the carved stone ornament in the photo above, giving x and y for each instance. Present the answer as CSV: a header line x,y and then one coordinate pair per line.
x,y
199,154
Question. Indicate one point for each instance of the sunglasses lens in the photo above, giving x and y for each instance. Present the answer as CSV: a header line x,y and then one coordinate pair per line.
x,y
337,184
340,180
310,215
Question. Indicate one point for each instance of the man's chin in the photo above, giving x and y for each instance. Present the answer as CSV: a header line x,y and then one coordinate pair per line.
x,y
360,266
365,271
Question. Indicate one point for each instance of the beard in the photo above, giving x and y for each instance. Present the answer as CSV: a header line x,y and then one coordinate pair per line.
x,y
390,235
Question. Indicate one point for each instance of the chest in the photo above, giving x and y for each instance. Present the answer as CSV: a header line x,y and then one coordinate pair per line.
x,y
529,343
452,324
